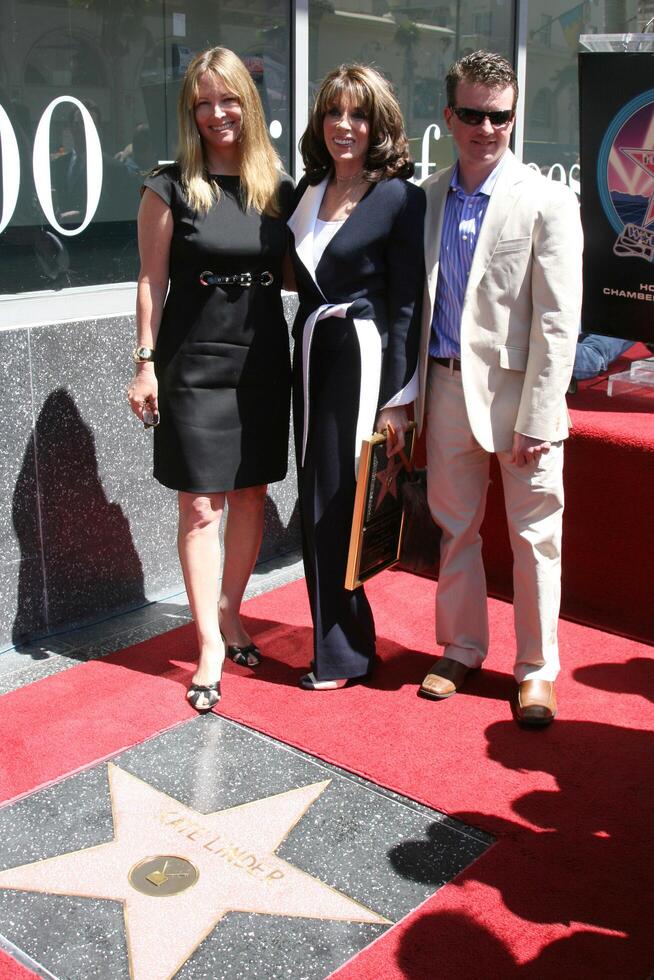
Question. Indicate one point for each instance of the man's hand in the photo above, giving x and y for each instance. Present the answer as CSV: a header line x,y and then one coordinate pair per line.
x,y
527,451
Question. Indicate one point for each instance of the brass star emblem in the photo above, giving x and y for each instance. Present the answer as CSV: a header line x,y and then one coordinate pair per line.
x,y
178,872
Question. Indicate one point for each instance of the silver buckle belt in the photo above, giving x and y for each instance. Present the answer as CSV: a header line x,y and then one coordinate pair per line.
x,y
244,279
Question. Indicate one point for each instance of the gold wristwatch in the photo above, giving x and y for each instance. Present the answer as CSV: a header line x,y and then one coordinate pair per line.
x,y
140,354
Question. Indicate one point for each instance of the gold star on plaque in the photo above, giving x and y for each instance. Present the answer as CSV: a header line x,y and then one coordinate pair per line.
x,y
178,872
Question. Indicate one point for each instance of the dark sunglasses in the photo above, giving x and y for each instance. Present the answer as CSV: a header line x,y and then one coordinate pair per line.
x,y
475,117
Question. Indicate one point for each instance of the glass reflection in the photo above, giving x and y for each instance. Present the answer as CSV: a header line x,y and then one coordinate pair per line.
x,y
123,60
413,43
552,93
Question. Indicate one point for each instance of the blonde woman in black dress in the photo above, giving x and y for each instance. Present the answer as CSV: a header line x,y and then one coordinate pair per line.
x,y
212,344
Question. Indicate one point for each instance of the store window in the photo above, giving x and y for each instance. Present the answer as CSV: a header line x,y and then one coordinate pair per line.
x,y
413,44
88,96
551,98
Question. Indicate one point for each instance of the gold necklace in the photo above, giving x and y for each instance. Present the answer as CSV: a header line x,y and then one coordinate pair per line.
x,y
348,180
344,205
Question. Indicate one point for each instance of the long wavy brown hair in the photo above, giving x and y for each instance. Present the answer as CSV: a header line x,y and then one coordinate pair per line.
x,y
364,88
260,165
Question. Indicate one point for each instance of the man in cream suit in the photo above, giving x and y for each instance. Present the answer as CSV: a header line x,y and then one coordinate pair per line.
x,y
500,320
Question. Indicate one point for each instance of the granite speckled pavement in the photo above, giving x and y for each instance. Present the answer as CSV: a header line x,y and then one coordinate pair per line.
x,y
212,851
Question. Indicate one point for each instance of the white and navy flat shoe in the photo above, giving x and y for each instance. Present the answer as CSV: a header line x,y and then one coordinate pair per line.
x,y
310,683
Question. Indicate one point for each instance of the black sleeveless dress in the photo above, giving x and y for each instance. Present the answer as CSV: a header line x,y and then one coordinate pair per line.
x,y
222,352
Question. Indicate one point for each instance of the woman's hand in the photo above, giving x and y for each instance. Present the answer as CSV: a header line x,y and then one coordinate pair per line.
x,y
143,390
155,230
394,422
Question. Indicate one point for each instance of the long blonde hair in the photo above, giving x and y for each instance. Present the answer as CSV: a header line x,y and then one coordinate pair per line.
x,y
260,165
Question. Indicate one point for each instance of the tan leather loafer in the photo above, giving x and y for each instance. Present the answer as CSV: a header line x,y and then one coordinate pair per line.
x,y
444,679
536,702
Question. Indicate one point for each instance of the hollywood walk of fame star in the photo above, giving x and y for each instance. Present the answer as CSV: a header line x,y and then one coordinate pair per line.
x,y
388,479
228,858
644,159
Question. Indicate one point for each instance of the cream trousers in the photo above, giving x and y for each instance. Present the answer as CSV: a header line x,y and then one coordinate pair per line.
x,y
458,477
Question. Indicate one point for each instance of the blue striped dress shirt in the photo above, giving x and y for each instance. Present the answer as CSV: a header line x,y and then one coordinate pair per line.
x,y
462,220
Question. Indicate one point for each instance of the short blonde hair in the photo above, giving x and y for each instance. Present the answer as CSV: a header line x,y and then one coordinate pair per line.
x,y
365,88
260,165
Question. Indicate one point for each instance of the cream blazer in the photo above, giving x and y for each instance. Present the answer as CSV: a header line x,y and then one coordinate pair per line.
x,y
521,308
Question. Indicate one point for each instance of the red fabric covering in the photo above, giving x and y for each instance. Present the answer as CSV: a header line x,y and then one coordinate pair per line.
x,y
11,970
625,420
59,725
608,543
565,891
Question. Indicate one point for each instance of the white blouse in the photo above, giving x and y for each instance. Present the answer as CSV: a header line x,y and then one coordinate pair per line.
x,y
323,233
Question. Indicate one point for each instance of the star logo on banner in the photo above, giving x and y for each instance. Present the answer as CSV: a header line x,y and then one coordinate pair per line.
x,y
388,479
178,872
644,159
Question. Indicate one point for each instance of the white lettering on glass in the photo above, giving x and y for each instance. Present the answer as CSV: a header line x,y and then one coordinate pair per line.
x,y
557,172
557,168
434,130
10,169
41,165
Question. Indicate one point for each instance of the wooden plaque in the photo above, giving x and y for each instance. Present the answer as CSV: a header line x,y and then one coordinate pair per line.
x,y
378,519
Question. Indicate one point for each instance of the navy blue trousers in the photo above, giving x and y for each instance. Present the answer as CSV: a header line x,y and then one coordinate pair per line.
x,y
343,626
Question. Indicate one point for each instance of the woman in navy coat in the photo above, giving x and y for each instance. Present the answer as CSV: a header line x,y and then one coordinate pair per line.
x,y
357,251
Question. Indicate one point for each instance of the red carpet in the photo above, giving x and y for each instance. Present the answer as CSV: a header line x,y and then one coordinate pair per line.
x,y
565,891
10,970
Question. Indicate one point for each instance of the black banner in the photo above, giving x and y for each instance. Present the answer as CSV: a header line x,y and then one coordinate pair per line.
x,y
617,193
